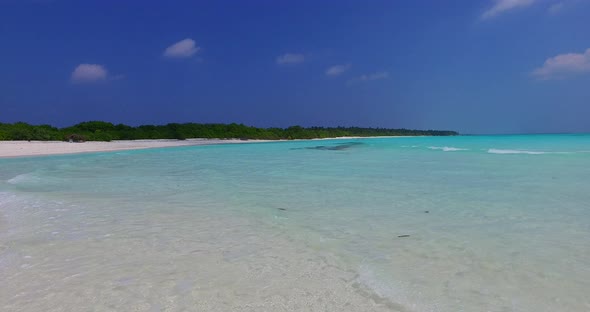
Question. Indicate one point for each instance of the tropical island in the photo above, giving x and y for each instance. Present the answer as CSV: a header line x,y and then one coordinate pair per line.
x,y
106,131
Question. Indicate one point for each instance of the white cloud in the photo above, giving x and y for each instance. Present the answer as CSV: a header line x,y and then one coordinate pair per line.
x,y
89,73
562,65
370,77
182,49
337,70
502,6
290,58
555,8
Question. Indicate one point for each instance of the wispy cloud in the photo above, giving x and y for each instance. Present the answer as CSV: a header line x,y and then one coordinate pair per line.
x,y
182,49
555,8
369,77
502,6
337,70
87,73
563,65
290,58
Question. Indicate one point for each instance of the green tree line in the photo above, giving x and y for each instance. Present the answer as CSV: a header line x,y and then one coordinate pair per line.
x,y
106,131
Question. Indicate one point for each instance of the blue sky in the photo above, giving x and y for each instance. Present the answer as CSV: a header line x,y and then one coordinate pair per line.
x,y
504,66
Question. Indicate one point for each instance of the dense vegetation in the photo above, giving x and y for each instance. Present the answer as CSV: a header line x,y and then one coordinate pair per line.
x,y
106,131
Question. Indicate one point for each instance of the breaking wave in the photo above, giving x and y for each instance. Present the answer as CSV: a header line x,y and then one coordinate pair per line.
x,y
503,151
447,148
24,178
509,151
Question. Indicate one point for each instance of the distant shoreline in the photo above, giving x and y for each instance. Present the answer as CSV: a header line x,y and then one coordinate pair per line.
x,y
106,131
12,149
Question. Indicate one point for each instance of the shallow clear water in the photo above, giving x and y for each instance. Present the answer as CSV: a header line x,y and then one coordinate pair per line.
x,y
495,223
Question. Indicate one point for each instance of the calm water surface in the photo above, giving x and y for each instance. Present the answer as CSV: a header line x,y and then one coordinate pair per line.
x,y
470,223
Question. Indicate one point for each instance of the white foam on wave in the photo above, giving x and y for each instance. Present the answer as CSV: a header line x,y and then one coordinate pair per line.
x,y
24,178
508,151
447,148
503,151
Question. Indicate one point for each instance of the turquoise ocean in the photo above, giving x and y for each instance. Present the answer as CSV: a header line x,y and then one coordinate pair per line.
x,y
465,223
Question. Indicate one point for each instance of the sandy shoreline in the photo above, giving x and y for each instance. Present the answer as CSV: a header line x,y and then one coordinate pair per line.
x,y
42,148
10,149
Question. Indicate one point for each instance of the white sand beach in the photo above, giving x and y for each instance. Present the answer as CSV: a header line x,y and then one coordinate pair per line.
x,y
41,148
38,148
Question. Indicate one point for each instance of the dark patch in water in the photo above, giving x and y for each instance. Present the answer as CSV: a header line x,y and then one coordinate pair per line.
x,y
283,209
337,147
426,211
405,235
